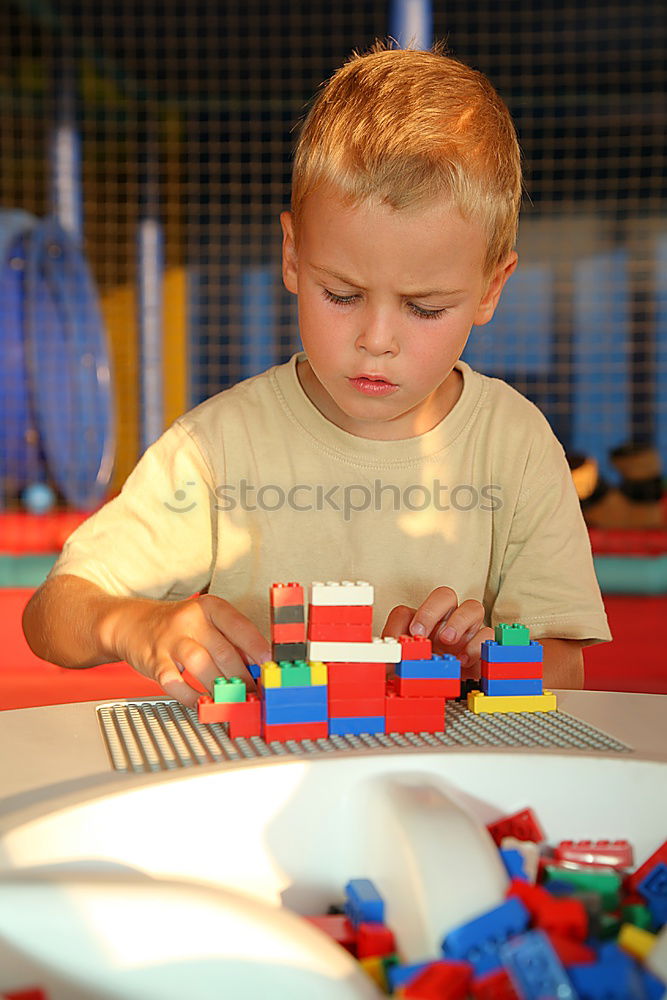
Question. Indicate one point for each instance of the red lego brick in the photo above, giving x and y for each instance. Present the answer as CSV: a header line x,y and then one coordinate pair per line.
x,y
374,939
572,952
294,632
414,715
340,633
511,671
30,994
494,986
610,853
343,708
566,918
326,614
284,595
439,980
338,927
356,680
658,856
296,731
414,647
244,717
522,825
415,687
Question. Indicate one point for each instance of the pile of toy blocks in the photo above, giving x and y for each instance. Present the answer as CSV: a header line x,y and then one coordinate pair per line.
x,y
511,674
576,924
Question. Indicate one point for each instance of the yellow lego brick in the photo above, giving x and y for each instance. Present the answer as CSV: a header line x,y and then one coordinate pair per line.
x,y
636,941
271,674
375,968
318,672
479,702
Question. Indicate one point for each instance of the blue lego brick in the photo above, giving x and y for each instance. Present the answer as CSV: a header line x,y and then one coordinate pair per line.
x,y
280,715
535,969
354,725
478,941
282,697
514,863
654,988
440,666
363,903
510,686
254,670
653,887
401,975
616,976
492,652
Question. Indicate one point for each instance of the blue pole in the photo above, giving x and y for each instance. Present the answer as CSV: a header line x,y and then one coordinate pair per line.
x,y
65,151
150,264
411,23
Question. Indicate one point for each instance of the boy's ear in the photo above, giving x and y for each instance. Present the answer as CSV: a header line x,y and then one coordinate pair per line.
x,y
487,306
289,253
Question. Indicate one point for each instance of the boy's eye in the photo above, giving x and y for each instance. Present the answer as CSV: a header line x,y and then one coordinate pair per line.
x,y
347,300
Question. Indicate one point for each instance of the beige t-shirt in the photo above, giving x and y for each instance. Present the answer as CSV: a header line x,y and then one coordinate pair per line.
x,y
256,486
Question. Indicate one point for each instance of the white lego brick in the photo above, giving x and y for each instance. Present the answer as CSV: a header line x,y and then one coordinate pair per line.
x,y
377,651
341,593
657,957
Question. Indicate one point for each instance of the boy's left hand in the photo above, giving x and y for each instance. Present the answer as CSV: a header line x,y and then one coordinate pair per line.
x,y
452,627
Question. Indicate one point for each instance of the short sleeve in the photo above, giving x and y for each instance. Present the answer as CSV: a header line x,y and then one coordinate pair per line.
x,y
155,539
547,579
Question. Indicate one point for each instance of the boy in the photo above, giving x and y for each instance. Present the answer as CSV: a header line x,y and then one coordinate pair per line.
x,y
374,454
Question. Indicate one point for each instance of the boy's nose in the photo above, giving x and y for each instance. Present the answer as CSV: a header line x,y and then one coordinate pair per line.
x,y
377,336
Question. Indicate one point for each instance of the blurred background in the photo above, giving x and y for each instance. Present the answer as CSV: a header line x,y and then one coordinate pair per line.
x,y
145,156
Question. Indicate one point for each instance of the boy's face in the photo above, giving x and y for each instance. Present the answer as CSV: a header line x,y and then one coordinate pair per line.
x,y
380,364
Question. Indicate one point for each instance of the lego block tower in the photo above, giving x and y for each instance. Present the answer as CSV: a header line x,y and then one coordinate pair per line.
x,y
511,674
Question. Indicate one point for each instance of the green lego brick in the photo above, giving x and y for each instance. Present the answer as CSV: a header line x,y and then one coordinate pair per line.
x,y
512,635
226,691
610,926
639,915
295,674
607,884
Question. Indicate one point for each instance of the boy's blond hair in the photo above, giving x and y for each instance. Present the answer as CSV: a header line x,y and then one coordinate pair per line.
x,y
411,126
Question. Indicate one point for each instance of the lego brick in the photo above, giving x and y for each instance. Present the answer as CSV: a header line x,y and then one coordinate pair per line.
x,y
657,960
530,853
571,952
404,714
566,917
495,985
416,687
356,679
495,653
415,647
374,967
270,674
285,594
512,635
440,665
295,674
32,993
478,703
514,863
636,942
363,902
228,690
296,731
614,977
610,853
606,882
289,615
294,632
439,979
319,673
511,688
285,715
523,825
377,651
399,975
340,614
350,707
659,855
654,988
337,926
284,697
478,940
374,938
244,718
255,671
638,915
341,593
507,671
354,726
535,969
653,887
340,633
290,651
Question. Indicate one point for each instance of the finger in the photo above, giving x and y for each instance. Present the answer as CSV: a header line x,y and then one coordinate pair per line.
x,y
462,624
211,656
229,660
398,622
435,610
471,654
236,628
173,683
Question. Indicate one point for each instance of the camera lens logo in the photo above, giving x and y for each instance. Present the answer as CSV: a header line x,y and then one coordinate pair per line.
x,y
180,496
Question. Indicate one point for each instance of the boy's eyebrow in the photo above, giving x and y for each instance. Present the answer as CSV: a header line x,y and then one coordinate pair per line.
x,y
412,295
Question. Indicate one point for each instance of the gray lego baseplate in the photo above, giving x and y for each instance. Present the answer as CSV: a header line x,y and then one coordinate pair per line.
x,y
147,736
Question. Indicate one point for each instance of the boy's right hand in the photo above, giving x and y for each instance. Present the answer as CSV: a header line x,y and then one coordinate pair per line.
x,y
205,636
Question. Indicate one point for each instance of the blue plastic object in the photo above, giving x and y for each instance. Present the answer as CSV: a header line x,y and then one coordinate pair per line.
x,y
401,975
292,697
514,863
363,903
284,715
645,575
653,887
68,366
478,941
439,666
505,686
616,976
254,670
493,652
535,969
355,725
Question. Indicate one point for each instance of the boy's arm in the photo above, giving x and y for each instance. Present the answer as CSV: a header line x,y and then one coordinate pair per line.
x,y
563,665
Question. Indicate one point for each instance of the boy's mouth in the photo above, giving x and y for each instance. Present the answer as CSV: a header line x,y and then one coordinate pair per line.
x,y
372,385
